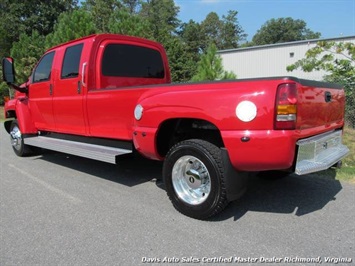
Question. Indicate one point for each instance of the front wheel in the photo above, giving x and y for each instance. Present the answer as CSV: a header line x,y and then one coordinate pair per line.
x,y
17,142
194,178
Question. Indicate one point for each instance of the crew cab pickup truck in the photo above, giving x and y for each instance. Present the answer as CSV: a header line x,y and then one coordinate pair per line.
x,y
107,96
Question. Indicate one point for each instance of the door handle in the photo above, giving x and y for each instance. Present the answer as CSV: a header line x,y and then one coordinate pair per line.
x,y
79,87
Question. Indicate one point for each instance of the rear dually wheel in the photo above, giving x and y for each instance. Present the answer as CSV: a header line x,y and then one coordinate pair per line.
x,y
194,178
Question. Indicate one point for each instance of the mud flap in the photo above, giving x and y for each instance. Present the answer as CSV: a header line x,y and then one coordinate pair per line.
x,y
235,181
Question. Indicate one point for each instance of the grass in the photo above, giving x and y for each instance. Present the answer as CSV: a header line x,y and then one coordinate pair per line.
x,y
2,117
346,173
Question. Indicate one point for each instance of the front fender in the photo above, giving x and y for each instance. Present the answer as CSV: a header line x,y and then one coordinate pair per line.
x,y
22,114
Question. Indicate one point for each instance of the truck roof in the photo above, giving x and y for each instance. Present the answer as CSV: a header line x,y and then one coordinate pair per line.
x,y
102,36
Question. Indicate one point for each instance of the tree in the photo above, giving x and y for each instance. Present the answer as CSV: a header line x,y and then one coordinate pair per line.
x,y
133,6
4,91
283,30
101,11
182,64
210,67
225,33
71,25
19,17
162,17
124,22
191,34
211,30
26,53
338,60
232,32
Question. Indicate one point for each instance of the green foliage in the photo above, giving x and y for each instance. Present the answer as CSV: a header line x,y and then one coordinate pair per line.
x,y
133,6
338,60
225,33
22,17
210,67
232,33
283,30
4,91
191,35
162,17
26,52
182,64
124,22
101,11
71,25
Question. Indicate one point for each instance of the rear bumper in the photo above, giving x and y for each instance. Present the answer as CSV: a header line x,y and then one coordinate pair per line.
x,y
320,152
283,150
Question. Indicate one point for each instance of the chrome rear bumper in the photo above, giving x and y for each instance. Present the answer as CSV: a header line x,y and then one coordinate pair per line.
x,y
320,152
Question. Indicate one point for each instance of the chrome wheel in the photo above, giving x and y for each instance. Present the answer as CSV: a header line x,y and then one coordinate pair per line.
x,y
16,138
191,180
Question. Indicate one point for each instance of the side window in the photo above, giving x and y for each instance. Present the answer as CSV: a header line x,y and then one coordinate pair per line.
x,y
123,60
44,68
71,61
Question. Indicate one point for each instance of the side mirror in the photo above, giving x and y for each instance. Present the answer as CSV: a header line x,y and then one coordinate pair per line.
x,y
8,71
8,74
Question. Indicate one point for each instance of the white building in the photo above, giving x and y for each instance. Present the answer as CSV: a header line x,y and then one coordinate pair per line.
x,y
272,60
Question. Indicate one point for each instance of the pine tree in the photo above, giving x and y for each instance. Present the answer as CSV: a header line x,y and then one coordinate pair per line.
x,y
210,67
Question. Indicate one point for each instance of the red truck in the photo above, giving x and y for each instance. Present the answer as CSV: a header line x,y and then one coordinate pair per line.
x,y
106,96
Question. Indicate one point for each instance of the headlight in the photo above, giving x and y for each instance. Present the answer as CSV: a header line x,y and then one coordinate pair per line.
x,y
138,112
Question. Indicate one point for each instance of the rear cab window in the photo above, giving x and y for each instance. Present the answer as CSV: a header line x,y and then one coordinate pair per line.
x,y
130,65
124,60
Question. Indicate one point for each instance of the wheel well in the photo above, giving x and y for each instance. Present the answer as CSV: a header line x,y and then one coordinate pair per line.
x,y
175,130
11,114
7,124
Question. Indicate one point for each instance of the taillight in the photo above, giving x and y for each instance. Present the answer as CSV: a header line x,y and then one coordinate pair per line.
x,y
286,106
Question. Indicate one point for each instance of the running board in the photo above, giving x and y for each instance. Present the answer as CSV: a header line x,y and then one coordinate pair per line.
x,y
91,151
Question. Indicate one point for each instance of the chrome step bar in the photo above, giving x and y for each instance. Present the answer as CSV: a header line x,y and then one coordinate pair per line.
x,y
91,151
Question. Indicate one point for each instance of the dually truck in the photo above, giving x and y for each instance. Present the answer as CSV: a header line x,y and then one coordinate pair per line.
x,y
107,96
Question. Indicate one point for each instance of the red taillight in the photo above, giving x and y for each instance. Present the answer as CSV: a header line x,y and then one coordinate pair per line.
x,y
286,106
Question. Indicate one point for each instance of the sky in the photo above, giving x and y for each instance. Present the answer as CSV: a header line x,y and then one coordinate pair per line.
x,y
332,18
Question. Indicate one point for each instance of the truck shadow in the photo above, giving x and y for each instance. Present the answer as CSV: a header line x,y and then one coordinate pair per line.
x,y
298,195
128,171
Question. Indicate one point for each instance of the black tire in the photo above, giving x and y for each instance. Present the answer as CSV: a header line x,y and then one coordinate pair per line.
x,y
197,186
17,142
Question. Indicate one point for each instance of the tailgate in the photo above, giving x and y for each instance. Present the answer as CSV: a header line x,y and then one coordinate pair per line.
x,y
319,104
